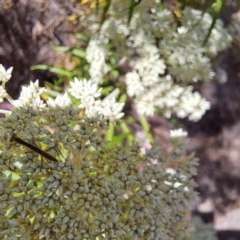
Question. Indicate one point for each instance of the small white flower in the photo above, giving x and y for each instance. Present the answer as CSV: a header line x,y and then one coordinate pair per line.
x,y
145,105
5,75
87,92
82,89
111,109
62,101
134,84
30,96
95,55
178,133
3,94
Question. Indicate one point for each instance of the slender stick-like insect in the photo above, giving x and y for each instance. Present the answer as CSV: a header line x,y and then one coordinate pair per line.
x,y
32,147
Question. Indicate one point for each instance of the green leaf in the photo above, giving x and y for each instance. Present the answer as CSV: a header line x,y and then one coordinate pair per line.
x,y
79,53
117,140
107,90
52,93
62,72
127,133
112,60
161,5
81,37
54,86
131,119
61,49
114,73
217,6
123,98
110,132
40,67
145,126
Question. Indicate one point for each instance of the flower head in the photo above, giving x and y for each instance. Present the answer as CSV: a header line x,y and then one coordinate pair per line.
x,y
178,133
86,190
5,75
30,96
88,93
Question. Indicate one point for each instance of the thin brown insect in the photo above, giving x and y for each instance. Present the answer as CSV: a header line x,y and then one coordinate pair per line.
x,y
32,147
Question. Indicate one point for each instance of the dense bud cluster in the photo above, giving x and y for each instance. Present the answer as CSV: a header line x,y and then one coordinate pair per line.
x,y
86,190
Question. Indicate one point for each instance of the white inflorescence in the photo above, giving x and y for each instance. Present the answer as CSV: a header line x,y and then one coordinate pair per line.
x,y
178,133
88,93
5,75
30,96
156,44
96,54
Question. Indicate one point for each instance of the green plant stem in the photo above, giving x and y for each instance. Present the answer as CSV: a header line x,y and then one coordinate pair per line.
x,y
146,128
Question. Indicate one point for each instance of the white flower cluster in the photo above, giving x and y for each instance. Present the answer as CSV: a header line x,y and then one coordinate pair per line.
x,y
178,133
5,75
157,44
87,92
95,55
30,96
167,96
